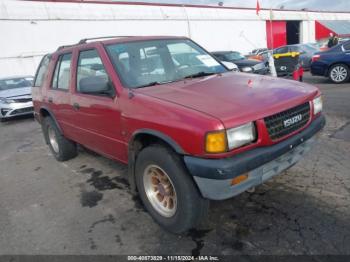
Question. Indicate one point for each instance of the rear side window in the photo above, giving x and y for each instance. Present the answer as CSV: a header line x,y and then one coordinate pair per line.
x,y
42,71
90,66
347,46
61,77
281,50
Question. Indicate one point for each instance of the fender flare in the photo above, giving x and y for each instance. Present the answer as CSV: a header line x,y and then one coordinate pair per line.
x,y
175,146
52,116
132,156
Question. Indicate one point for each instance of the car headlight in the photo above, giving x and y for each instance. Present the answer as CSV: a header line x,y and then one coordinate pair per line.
x,y
242,135
247,69
6,101
318,105
259,66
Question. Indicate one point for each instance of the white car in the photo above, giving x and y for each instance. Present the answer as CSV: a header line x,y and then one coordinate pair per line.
x,y
15,97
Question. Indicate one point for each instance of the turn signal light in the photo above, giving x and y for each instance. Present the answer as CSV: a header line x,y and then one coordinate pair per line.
x,y
239,179
216,142
315,58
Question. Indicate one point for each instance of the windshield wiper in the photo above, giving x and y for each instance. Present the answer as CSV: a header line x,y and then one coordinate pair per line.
x,y
155,83
149,84
199,74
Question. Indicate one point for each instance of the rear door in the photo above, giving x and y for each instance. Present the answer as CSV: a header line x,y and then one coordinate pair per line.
x,y
57,97
96,117
346,48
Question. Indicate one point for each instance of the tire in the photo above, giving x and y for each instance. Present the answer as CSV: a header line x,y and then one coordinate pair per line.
x,y
190,207
62,148
339,73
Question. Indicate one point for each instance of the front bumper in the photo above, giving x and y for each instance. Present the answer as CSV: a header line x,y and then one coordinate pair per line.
x,y
263,71
15,109
213,176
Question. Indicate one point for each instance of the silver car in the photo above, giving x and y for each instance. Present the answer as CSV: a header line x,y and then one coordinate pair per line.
x,y
15,96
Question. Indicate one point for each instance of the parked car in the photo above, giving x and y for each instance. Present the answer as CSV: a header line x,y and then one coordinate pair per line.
x,y
15,97
333,63
244,65
305,51
189,133
261,56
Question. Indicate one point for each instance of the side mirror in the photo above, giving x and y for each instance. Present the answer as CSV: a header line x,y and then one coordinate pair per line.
x,y
96,85
230,66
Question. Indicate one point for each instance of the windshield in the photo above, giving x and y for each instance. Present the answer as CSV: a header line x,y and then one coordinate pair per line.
x,y
234,56
308,48
12,83
145,63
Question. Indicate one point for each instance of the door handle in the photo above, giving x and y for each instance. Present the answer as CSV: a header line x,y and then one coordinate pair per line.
x,y
76,106
50,100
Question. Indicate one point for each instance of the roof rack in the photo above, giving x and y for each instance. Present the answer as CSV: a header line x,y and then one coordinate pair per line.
x,y
63,46
84,41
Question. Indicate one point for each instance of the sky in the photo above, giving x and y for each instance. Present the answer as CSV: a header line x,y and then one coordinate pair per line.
x,y
319,5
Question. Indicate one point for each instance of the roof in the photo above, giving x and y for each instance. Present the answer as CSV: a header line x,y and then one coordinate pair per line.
x,y
341,28
118,39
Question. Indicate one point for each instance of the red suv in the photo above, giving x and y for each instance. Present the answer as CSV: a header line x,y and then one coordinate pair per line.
x,y
189,129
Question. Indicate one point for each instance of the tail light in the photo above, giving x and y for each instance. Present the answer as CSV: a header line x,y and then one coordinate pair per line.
x,y
316,58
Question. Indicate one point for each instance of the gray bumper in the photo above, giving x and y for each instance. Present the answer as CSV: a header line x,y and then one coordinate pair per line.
x,y
214,176
221,189
15,109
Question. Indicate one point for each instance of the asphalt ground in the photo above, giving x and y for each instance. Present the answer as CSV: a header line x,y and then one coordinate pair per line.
x,y
83,206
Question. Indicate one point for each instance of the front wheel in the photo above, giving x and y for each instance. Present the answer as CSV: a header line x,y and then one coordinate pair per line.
x,y
339,73
167,191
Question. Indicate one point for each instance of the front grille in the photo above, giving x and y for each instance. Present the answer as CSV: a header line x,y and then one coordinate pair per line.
x,y
22,111
22,100
276,126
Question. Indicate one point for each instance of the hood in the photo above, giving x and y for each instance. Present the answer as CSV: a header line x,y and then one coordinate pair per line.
x,y
16,92
234,98
246,62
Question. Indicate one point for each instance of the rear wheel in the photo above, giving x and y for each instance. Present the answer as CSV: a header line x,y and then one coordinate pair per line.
x,y
167,191
62,148
339,73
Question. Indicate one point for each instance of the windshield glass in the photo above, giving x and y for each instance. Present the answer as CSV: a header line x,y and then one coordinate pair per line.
x,y
145,63
15,83
234,56
308,48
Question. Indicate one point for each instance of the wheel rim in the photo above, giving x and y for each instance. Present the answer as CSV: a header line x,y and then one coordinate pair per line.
x,y
339,74
53,139
160,190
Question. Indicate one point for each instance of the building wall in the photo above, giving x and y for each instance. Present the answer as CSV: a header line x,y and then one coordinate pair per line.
x,y
307,31
31,29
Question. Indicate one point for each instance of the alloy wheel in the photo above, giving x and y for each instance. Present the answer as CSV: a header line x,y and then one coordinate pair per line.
x,y
53,139
160,190
339,73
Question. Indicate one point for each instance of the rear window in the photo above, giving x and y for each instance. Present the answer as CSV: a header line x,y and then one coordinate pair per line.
x,y
61,78
347,46
42,71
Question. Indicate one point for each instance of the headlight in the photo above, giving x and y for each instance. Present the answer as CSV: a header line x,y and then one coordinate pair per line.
x,y
241,135
247,69
259,66
6,101
317,105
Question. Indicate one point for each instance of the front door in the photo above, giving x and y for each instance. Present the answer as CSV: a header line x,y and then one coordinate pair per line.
x,y
96,114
